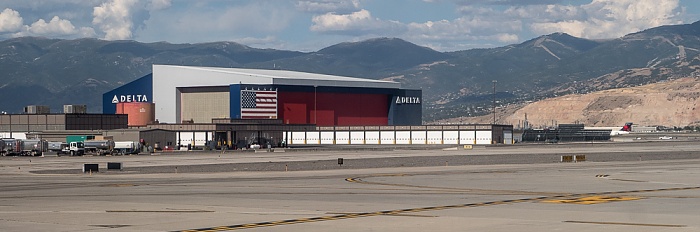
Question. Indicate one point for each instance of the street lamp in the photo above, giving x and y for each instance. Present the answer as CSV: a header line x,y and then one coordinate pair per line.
x,y
494,101
315,109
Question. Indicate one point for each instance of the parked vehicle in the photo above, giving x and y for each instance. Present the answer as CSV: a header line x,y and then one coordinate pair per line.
x,y
2,147
99,147
11,147
34,147
73,148
57,146
16,147
126,147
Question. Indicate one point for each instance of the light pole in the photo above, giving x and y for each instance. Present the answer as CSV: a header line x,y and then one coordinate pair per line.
x,y
315,109
494,101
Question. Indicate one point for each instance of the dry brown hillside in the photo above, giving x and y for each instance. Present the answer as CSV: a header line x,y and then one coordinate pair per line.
x,y
672,103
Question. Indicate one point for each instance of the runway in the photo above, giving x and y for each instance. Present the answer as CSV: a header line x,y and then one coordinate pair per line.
x,y
654,194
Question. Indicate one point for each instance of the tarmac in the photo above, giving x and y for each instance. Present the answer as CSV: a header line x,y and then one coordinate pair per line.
x,y
636,186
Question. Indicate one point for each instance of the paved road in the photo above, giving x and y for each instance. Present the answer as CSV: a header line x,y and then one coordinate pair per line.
x,y
612,191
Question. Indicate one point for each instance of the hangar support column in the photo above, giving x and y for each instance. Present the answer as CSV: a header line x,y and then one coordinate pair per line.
x,y
228,138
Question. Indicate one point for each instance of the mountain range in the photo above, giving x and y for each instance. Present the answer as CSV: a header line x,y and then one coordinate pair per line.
x,y
54,72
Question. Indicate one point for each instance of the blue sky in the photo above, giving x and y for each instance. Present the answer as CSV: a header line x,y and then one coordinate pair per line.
x,y
309,25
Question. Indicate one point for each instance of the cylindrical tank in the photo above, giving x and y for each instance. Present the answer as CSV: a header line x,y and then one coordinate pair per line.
x,y
140,113
99,144
34,146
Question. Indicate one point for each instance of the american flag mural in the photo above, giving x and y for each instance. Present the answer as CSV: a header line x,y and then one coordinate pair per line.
x,y
258,104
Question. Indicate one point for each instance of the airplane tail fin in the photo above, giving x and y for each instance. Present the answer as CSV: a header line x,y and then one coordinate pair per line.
x,y
627,127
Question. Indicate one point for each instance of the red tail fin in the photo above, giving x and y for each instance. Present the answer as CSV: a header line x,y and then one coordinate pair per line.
x,y
627,127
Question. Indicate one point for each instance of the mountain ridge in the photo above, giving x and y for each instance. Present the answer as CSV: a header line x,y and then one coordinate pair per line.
x,y
454,84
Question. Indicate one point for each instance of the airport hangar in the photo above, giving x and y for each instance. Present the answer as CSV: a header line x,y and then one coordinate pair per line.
x,y
239,107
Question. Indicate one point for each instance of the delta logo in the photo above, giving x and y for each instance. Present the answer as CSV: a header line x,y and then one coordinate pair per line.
x,y
129,98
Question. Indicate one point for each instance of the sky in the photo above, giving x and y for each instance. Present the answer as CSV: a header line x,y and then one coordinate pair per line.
x,y
310,25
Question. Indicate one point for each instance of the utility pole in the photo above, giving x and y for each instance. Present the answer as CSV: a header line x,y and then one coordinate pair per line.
x,y
315,109
494,101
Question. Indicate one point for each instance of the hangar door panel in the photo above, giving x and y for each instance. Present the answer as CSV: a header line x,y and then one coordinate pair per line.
x,y
418,137
322,117
294,113
451,137
403,137
201,107
387,137
342,137
357,137
372,137
508,137
483,137
467,137
298,137
435,137
327,137
313,137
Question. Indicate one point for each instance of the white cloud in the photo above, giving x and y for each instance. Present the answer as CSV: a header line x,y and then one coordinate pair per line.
x,y
57,27
114,19
608,18
10,21
160,4
509,2
359,22
324,6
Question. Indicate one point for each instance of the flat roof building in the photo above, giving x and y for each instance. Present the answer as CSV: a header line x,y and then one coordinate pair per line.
x,y
200,94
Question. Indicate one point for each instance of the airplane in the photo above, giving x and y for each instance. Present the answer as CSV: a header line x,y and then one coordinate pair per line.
x,y
625,130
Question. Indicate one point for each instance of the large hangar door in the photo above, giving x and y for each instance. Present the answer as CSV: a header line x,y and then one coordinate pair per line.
x,y
483,137
201,104
508,137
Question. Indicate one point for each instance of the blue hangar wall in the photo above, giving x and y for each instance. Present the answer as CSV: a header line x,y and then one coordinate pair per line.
x,y
139,90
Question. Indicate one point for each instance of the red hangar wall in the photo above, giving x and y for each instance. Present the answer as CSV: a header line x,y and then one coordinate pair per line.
x,y
327,105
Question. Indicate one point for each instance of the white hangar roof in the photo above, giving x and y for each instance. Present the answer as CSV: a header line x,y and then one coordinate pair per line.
x,y
168,78
185,75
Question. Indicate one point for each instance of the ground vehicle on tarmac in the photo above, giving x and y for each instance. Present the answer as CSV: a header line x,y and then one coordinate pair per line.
x,y
126,147
99,147
72,148
20,147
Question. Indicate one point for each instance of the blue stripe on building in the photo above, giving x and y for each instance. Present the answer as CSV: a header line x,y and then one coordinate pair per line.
x,y
139,90
235,102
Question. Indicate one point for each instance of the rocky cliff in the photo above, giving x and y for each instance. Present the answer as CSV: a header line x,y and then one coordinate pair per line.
x,y
670,103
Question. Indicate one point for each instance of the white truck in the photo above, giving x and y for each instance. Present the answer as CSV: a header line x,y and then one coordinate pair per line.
x,y
72,148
